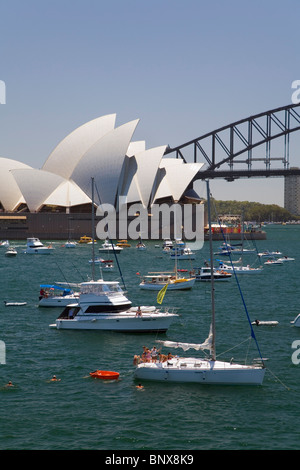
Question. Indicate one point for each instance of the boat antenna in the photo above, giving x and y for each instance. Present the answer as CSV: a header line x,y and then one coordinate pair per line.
x,y
93,232
213,322
116,258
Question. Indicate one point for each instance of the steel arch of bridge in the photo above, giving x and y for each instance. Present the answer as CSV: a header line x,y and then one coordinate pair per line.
x,y
223,146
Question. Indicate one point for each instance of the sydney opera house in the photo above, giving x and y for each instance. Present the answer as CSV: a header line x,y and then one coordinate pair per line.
x,y
55,201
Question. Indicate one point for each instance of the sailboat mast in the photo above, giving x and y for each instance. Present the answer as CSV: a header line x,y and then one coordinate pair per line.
x,y
93,232
213,325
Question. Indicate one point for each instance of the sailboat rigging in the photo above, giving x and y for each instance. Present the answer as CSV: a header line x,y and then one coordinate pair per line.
x,y
203,370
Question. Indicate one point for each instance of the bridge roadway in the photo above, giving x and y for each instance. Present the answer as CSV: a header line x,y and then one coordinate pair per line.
x,y
231,175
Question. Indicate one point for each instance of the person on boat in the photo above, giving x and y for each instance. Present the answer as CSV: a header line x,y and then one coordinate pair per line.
x,y
136,359
154,354
138,312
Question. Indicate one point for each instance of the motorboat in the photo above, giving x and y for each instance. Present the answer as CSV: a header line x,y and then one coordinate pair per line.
x,y
182,253
103,305
86,240
106,265
273,262
36,247
285,258
53,295
4,243
11,251
268,253
204,274
167,245
227,249
240,269
156,281
207,370
108,247
123,244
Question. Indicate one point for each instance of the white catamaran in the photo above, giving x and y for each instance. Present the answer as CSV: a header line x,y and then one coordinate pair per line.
x,y
202,370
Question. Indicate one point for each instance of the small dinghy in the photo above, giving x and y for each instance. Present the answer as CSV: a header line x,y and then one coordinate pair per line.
x,y
105,374
14,304
264,323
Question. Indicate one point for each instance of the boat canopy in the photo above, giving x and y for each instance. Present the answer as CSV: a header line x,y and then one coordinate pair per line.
x,y
54,286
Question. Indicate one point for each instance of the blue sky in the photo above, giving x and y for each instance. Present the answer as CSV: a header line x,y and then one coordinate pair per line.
x,y
183,68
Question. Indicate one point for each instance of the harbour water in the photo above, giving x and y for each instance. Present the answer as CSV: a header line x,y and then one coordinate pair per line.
x,y
79,412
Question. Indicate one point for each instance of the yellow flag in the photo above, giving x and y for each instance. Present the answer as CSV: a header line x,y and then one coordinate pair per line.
x,y
161,294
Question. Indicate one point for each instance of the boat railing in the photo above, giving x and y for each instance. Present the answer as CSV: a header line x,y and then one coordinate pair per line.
x,y
170,309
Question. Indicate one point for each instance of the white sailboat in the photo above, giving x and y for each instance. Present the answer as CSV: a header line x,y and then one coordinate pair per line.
x,y
202,370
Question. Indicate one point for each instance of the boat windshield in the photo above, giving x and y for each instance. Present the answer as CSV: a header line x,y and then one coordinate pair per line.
x,y
95,288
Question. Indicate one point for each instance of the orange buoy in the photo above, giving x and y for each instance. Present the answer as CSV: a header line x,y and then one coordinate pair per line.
x,y
105,374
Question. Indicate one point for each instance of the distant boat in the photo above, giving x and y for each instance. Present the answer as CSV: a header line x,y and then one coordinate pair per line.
x,y
182,252
240,269
11,251
273,262
204,274
123,244
156,281
53,295
86,240
110,247
36,247
70,244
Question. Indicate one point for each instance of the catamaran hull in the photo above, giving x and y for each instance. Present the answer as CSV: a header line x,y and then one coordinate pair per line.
x,y
129,324
212,376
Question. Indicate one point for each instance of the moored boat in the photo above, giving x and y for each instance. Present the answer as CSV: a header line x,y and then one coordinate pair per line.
x,y
53,295
156,281
36,247
201,370
204,274
102,305
108,247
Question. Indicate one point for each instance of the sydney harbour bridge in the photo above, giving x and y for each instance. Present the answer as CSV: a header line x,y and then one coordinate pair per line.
x,y
245,148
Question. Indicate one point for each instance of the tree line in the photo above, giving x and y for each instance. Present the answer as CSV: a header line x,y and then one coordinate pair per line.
x,y
253,211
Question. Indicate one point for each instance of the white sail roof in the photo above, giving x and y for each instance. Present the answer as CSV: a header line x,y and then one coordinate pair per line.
x,y
147,166
36,185
96,150
10,193
69,151
177,177
103,162
42,187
